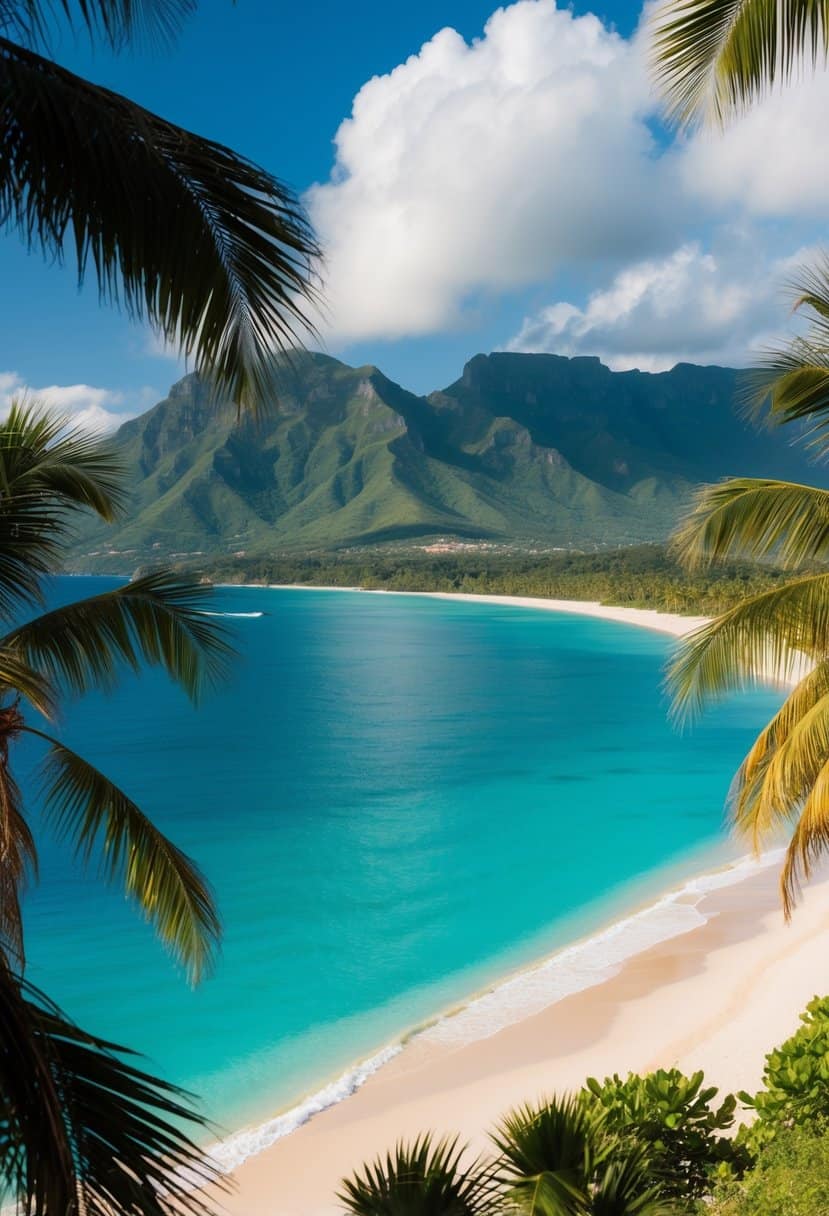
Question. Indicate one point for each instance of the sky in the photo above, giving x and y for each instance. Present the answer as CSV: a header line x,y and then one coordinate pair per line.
x,y
480,179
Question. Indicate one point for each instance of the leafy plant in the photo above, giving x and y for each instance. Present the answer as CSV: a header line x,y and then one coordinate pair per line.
x,y
422,1178
796,1081
791,1178
82,1130
560,1159
213,251
674,1118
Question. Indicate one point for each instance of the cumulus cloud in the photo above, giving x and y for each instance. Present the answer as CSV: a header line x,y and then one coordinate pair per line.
x,y
485,167
98,410
694,305
479,170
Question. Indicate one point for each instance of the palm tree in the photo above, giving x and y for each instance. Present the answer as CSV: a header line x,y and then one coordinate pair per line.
x,y
557,1159
210,249
712,59
422,1178
80,1129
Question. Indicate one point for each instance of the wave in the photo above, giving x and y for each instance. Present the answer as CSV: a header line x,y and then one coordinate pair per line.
x,y
573,969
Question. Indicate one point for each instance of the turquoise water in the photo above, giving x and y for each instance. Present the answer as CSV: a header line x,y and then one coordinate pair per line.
x,y
397,800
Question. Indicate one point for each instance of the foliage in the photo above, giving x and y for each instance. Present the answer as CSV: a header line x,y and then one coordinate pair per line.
x,y
795,1092
715,57
423,1178
642,576
217,258
791,1178
353,459
81,1129
674,1118
560,1159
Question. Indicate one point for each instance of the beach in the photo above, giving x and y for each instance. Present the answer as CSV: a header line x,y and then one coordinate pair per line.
x,y
725,986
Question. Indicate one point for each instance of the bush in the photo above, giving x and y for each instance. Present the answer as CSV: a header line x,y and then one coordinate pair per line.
x,y
672,1116
791,1178
796,1081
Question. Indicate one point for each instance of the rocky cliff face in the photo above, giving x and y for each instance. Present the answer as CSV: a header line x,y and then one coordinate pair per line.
x,y
528,449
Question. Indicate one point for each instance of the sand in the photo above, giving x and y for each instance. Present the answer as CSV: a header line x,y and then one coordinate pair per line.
x,y
717,997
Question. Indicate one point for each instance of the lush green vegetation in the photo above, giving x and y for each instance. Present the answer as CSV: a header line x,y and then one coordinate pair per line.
x,y
532,450
83,1130
648,1145
644,576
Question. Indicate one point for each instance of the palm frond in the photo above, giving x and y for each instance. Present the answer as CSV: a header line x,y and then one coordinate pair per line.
x,y
791,382
89,809
421,1178
625,1187
210,249
82,1130
810,839
753,518
157,619
114,22
749,810
48,471
713,58
767,638
549,1155
19,679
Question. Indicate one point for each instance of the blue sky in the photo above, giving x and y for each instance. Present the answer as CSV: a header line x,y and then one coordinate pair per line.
x,y
508,185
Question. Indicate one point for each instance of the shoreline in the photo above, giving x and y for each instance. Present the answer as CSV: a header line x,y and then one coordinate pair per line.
x,y
718,993
673,623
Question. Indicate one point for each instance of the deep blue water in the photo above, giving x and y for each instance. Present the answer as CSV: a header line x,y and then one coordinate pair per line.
x,y
397,800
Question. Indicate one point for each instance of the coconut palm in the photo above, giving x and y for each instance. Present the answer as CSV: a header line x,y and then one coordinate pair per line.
x,y
712,58
210,249
557,1159
421,1178
715,57
81,1130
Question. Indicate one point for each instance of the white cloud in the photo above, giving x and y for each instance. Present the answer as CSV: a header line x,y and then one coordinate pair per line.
x,y
99,410
477,170
485,167
694,305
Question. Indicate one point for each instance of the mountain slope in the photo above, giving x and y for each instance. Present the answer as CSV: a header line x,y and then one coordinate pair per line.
x,y
535,450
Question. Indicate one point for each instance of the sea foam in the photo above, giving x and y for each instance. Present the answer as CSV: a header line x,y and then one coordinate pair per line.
x,y
572,969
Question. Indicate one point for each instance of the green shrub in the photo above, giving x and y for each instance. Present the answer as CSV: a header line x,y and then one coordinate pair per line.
x,y
791,1178
673,1118
796,1081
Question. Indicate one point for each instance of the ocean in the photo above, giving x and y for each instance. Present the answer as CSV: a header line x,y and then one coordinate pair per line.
x,y
399,801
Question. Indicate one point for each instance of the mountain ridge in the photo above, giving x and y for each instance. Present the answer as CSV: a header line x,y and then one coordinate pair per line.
x,y
526,450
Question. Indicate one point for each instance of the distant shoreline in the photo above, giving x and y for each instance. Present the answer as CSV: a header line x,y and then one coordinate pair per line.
x,y
673,623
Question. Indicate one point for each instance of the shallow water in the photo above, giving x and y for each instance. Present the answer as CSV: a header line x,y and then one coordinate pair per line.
x,y
398,800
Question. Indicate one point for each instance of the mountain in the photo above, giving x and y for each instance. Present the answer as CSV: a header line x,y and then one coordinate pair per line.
x,y
533,450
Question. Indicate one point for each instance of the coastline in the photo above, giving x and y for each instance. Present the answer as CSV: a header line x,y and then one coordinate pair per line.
x,y
673,623
717,992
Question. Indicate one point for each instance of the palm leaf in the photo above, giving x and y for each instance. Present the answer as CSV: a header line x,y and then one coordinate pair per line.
x,y
99,817
549,1156
116,22
810,839
791,382
625,1187
754,519
82,1130
210,249
421,1178
712,58
157,619
765,638
747,806
48,471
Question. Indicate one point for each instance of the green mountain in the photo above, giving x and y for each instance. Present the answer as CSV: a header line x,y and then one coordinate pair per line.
x,y
532,450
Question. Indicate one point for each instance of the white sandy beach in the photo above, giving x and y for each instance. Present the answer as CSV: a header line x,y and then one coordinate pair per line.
x,y
720,993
